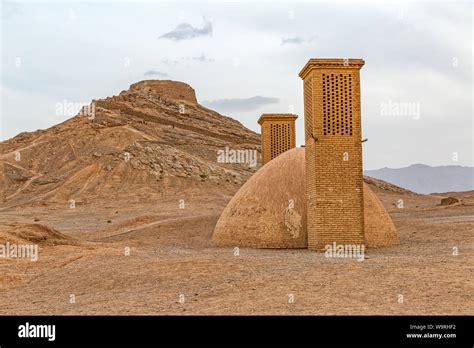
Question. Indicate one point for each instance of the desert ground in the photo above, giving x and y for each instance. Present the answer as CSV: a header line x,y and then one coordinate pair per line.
x,y
173,268
123,206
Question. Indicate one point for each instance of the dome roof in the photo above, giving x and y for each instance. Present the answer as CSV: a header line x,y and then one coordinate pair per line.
x,y
269,210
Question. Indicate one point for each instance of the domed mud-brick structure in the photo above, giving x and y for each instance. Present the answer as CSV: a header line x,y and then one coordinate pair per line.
x,y
269,210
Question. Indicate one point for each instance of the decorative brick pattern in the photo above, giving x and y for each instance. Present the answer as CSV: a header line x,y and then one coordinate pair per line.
x,y
334,181
278,134
308,107
337,104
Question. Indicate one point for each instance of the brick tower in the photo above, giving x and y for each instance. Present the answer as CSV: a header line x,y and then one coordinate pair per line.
x,y
278,134
333,152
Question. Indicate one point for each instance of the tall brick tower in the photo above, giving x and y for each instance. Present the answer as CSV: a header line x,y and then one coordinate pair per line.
x,y
333,152
278,134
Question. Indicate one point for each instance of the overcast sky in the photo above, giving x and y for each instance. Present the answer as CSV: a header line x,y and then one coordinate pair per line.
x,y
243,60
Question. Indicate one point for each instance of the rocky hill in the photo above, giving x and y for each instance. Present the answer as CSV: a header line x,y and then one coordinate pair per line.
x,y
153,137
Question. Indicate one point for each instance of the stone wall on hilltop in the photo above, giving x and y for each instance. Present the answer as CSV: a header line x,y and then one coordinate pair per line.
x,y
167,89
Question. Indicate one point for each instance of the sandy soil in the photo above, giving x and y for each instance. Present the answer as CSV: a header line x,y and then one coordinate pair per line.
x,y
174,269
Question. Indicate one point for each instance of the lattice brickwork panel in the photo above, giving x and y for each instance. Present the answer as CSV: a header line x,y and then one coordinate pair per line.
x,y
337,104
308,107
280,139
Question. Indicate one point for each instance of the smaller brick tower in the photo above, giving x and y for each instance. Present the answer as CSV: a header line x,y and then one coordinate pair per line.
x,y
278,134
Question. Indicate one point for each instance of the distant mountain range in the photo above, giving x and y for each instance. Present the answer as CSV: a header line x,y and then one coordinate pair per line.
x,y
421,178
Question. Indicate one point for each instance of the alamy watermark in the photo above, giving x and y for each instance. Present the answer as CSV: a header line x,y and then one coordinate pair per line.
x,y
335,250
69,108
242,156
19,251
28,330
394,108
